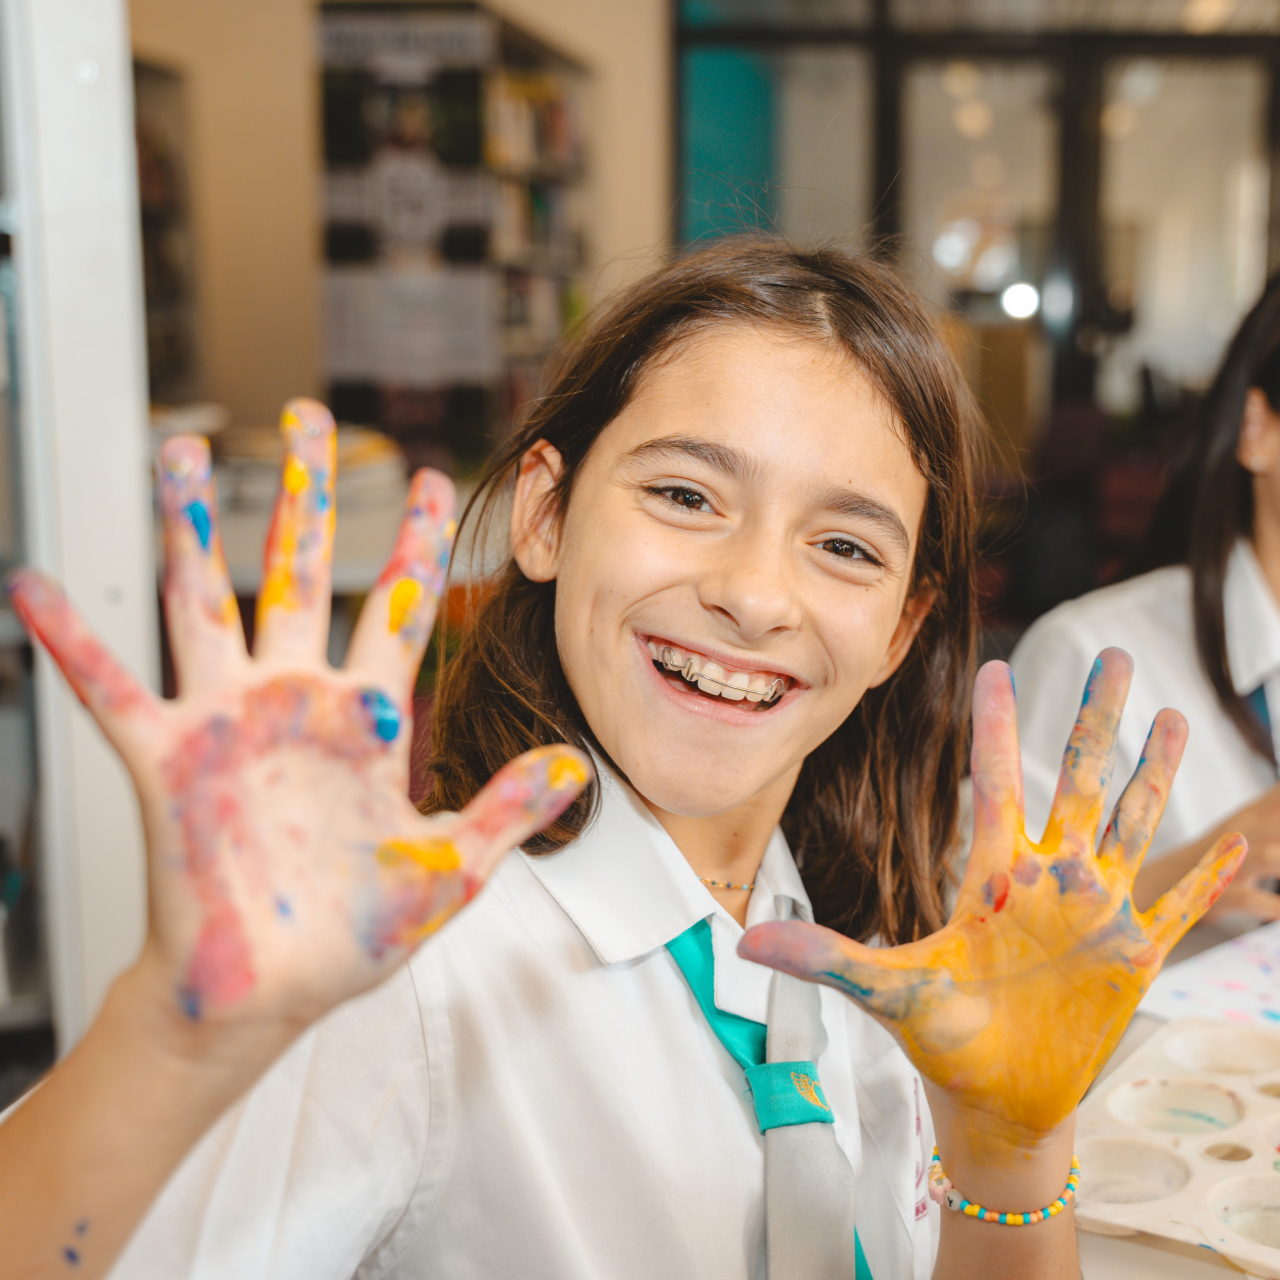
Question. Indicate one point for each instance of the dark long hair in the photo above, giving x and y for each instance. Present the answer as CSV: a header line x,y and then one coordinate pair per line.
x,y
874,810
1207,503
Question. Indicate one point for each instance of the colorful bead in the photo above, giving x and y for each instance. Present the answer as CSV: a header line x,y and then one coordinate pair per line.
x,y
726,884
941,1191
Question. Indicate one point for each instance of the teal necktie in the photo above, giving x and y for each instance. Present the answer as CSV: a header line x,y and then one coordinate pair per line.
x,y
789,1106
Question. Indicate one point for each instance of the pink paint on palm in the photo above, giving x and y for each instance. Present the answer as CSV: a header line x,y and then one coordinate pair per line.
x,y
204,776
97,679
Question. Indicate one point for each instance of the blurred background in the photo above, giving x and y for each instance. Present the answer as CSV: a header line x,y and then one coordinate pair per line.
x,y
211,205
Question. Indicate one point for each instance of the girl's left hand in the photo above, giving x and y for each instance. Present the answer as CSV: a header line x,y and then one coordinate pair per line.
x,y
1012,1008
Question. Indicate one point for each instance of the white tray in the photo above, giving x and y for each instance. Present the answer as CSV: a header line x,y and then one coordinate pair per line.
x,y
1183,1141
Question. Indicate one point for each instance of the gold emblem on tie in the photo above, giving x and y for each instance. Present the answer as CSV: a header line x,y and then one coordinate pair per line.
x,y
808,1089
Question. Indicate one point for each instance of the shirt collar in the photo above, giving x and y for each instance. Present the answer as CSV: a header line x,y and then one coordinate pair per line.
x,y
1252,620
628,889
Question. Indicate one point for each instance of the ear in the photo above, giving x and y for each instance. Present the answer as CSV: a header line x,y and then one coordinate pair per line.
x,y
914,612
1258,448
535,533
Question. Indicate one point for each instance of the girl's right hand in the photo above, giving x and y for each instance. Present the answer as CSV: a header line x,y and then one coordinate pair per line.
x,y
287,868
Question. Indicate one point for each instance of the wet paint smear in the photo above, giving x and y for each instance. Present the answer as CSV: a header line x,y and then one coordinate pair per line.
x,y
996,891
1071,875
383,712
1026,870
198,514
403,602
71,1255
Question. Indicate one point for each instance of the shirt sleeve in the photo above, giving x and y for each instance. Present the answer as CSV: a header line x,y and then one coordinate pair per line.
x,y
1050,667
309,1173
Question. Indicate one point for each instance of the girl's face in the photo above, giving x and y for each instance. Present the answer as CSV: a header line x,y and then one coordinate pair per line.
x,y
752,516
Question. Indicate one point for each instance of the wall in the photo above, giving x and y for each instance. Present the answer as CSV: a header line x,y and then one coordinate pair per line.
x,y
251,104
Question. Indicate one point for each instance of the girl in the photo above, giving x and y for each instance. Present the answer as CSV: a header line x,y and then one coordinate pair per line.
x,y
741,582
1203,622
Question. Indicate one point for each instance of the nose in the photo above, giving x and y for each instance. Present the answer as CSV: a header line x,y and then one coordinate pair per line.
x,y
751,584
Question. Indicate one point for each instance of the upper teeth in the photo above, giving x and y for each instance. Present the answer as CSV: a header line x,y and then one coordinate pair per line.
x,y
711,677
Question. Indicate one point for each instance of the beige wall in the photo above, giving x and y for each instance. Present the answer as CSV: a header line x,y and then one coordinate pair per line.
x,y
251,97
252,101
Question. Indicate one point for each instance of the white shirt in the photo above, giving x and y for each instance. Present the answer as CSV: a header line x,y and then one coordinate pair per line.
x,y
537,1095
1150,617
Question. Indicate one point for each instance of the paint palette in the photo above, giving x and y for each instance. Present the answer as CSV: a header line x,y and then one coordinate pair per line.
x,y
1183,1141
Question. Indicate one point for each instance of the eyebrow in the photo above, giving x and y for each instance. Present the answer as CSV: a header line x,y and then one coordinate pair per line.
x,y
732,462
738,466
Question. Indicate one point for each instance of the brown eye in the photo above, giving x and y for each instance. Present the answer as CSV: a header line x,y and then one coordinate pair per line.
x,y
839,547
688,499
847,550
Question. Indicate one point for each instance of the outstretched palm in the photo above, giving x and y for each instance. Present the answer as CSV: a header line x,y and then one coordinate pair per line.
x,y
1014,1006
287,868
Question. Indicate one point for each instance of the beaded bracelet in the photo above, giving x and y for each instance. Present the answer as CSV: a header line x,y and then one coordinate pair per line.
x,y
941,1190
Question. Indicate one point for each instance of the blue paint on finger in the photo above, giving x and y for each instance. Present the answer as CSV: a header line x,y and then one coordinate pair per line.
x,y
201,521
383,712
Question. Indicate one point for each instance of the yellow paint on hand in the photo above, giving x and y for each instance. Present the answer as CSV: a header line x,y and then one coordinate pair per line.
x,y
431,855
450,528
405,596
566,771
295,475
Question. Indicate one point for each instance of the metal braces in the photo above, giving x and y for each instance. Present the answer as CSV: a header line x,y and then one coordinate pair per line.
x,y
668,660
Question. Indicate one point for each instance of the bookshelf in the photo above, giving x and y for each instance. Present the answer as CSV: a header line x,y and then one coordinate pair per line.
x,y
455,220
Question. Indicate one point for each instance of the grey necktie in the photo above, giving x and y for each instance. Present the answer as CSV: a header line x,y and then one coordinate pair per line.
x,y
808,1184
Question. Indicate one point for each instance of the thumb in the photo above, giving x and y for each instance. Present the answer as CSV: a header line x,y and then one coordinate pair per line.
x,y
818,954
519,800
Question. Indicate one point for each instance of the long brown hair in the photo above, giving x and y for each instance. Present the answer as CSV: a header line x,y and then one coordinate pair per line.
x,y
873,813
1207,503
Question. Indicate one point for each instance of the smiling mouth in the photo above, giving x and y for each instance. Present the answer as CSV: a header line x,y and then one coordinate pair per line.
x,y
715,681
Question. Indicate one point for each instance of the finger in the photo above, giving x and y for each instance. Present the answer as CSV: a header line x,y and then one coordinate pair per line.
x,y
524,796
996,762
124,709
397,618
294,601
204,622
419,880
1089,757
1138,811
1195,893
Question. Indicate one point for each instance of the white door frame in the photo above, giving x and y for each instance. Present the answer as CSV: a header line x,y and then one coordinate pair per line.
x,y
73,209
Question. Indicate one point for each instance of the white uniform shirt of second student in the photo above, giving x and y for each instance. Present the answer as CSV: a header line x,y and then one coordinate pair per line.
x,y
537,1095
1150,618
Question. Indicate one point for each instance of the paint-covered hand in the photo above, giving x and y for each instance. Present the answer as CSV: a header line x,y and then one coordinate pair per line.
x,y
1013,1007
287,868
